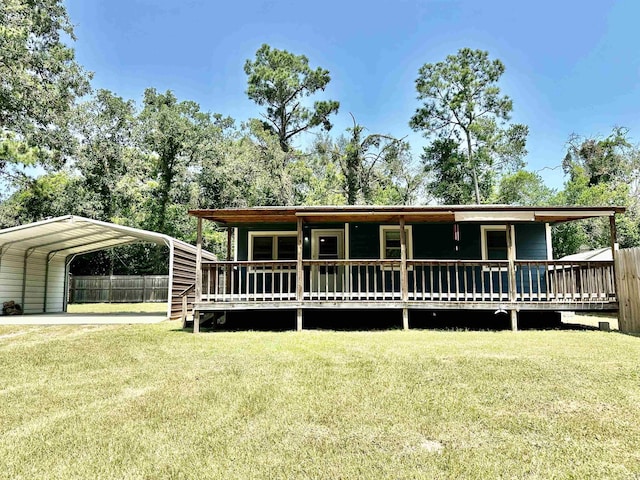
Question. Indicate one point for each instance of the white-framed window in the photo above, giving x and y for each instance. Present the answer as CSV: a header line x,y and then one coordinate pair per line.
x,y
264,246
493,240
390,242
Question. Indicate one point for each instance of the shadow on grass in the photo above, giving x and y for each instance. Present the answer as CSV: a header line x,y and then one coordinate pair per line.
x,y
629,334
373,320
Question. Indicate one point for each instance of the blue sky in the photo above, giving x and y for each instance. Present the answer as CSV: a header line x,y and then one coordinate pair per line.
x,y
571,66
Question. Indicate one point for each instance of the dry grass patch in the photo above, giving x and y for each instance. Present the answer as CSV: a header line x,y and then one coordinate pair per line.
x,y
160,307
148,401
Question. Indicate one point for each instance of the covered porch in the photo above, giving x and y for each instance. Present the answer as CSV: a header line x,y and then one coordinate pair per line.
x,y
344,281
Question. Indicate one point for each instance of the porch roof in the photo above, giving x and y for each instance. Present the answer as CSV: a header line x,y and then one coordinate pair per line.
x,y
389,214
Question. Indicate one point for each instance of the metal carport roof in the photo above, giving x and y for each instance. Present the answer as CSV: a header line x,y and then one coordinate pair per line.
x,y
30,255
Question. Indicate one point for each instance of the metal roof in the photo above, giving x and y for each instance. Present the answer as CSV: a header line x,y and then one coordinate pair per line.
x,y
597,254
71,234
440,213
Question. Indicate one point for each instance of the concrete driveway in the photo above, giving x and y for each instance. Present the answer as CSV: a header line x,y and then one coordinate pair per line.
x,y
82,318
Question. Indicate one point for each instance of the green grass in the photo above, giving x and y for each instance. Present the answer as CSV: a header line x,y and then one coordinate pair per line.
x,y
160,307
150,401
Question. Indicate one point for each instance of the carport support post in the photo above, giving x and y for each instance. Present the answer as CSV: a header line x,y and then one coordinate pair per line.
x,y
299,276
27,253
198,299
46,283
513,285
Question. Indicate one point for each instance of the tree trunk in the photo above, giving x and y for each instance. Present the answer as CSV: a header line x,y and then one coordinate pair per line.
x,y
476,187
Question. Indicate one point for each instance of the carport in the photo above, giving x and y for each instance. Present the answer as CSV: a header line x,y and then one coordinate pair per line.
x,y
35,260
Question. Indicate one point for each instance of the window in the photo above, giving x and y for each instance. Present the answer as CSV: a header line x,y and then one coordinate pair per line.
x,y
287,248
265,246
390,242
494,242
262,248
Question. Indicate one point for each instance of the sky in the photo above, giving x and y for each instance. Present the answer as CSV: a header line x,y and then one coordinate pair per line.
x,y
571,66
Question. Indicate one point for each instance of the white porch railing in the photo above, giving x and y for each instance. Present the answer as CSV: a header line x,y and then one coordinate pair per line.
x,y
426,280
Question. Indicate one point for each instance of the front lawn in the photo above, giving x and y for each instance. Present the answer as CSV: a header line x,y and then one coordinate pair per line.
x,y
151,401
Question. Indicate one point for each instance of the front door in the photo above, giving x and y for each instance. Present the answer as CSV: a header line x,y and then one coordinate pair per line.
x,y
327,245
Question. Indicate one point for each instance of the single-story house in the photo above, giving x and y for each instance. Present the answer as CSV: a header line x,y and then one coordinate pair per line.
x,y
480,257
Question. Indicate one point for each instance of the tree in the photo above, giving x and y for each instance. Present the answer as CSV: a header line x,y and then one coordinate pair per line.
x,y
176,136
247,167
40,79
375,168
50,195
448,179
462,102
523,188
280,81
105,126
601,171
609,159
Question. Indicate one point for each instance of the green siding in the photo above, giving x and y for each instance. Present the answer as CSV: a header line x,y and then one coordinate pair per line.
x,y
364,240
436,241
531,241
430,240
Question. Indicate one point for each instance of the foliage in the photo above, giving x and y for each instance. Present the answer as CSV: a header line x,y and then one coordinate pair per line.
x,y
15,152
247,167
448,179
280,81
40,79
176,135
462,102
601,171
610,159
374,169
50,195
523,188
105,152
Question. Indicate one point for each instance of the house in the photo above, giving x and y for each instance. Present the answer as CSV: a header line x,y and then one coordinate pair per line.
x,y
472,257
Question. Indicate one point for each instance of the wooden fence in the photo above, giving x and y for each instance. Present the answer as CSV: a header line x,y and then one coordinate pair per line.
x,y
118,289
628,280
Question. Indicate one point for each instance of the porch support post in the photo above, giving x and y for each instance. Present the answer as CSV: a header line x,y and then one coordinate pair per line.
x,y
228,281
614,251
299,319
404,279
299,277
196,314
513,286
